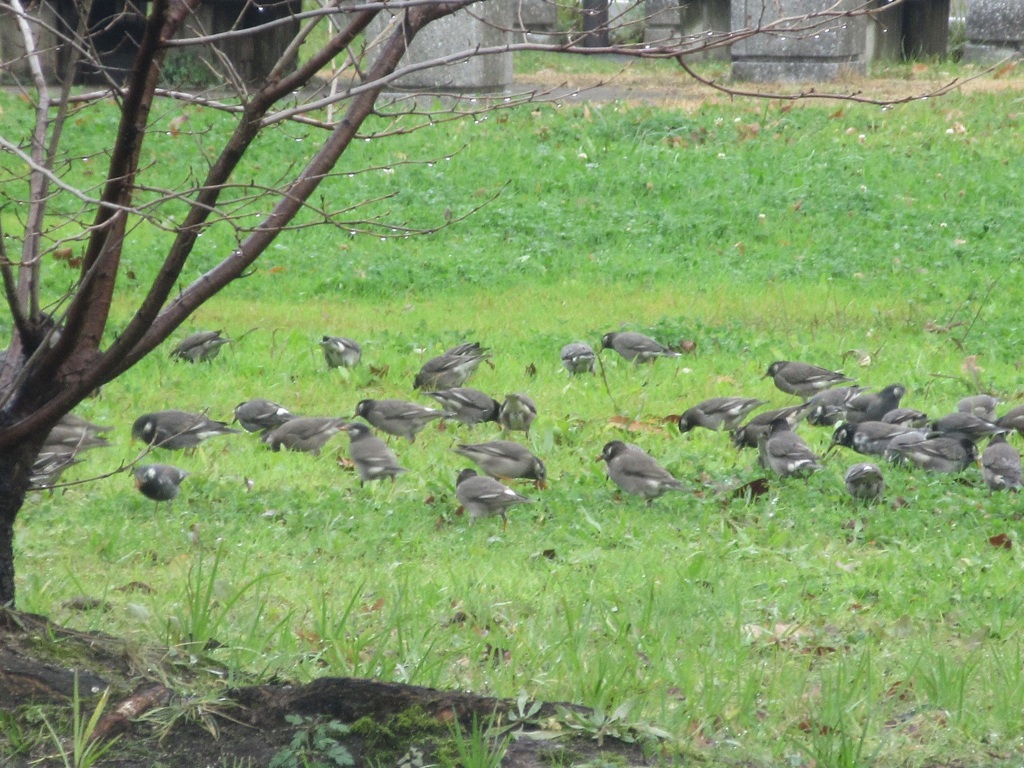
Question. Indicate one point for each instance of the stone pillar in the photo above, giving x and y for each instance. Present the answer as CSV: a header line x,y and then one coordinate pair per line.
x,y
482,25
687,19
699,17
663,21
832,49
995,30
13,64
536,19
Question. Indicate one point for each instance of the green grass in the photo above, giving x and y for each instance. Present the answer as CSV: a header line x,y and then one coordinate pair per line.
x,y
792,628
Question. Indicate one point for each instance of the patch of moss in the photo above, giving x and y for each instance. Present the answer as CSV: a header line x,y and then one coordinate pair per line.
x,y
393,737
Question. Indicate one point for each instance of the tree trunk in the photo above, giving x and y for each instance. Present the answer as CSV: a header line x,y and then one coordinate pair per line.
x,y
15,475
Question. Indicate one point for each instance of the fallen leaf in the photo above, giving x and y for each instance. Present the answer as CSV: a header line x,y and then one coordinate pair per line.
x,y
751,490
1004,70
1001,541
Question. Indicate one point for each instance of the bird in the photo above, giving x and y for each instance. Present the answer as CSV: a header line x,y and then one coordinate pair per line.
x,y
1013,419
836,396
1000,465
485,497
200,347
895,452
371,455
261,415
159,482
870,438
517,413
636,472
340,352
864,482
968,425
74,438
873,406
803,379
505,459
303,433
467,405
398,417
982,406
451,369
828,407
61,446
71,420
49,466
578,357
785,453
175,430
749,434
718,413
822,415
908,417
636,347
937,454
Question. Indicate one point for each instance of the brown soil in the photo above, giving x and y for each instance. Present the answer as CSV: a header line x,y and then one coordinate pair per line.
x,y
677,90
157,724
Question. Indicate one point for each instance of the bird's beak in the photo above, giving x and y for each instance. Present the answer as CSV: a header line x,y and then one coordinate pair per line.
x,y
541,484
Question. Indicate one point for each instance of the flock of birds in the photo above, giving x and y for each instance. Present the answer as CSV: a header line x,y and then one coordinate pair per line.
x,y
870,423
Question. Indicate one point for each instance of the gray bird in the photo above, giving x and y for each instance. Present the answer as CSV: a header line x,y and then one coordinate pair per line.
x,y
937,454
908,417
785,453
836,396
68,437
822,415
485,497
73,438
899,446
578,358
1000,465
452,369
1013,419
870,438
371,455
828,407
718,413
803,379
982,406
49,466
177,430
467,405
200,347
517,413
159,482
636,347
749,435
303,433
340,352
398,417
505,459
864,482
73,421
636,472
260,415
873,406
968,425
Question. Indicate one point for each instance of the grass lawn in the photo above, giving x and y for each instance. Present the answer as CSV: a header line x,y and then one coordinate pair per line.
x,y
793,628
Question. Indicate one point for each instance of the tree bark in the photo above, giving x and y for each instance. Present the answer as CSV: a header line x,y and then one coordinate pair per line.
x,y
15,474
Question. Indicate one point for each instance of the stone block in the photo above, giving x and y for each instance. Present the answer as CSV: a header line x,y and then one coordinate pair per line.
x,y
537,16
13,64
482,25
995,30
811,50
